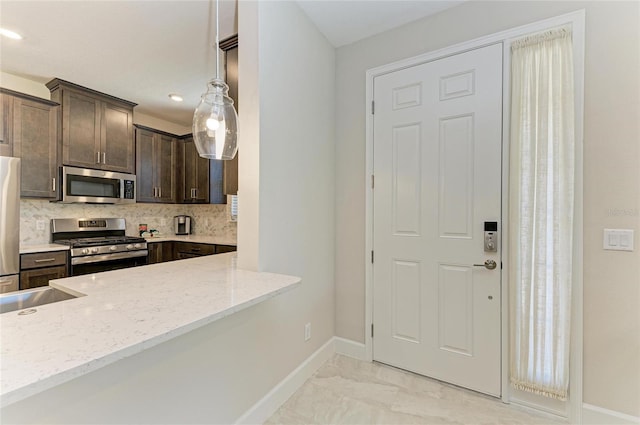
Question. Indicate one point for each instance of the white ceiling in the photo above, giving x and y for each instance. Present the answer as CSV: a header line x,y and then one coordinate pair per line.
x,y
143,50
345,22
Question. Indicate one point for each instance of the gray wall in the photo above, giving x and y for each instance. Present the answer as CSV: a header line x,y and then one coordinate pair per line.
x,y
611,173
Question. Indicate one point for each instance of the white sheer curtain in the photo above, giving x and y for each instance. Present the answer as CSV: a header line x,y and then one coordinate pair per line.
x,y
541,211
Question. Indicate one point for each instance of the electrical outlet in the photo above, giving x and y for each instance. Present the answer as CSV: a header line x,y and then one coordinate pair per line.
x,y
163,222
40,224
307,332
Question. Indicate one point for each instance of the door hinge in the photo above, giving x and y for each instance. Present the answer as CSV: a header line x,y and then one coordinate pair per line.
x,y
373,107
372,330
371,256
373,181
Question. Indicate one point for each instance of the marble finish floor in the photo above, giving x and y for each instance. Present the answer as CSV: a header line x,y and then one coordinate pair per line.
x,y
349,391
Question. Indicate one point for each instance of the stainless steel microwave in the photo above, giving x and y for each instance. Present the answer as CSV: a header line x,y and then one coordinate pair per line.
x,y
85,185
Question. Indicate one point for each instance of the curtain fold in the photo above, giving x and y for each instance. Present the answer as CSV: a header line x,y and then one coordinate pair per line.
x,y
541,212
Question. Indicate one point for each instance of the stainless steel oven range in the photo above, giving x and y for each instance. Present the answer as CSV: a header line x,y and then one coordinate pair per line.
x,y
98,244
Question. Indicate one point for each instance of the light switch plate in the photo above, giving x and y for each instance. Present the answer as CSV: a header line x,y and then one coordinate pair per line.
x,y
618,239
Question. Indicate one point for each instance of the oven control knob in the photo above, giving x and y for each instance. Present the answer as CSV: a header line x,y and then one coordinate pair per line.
x,y
94,250
137,246
85,251
129,246
113,248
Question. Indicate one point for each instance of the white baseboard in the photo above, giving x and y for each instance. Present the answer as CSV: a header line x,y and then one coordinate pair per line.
x,y
594,415
267,405
350,348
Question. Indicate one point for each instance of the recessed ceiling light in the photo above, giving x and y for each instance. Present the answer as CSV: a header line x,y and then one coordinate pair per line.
x,y
175,97
10,34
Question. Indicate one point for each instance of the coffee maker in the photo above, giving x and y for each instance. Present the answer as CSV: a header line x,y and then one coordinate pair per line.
x,y
182,224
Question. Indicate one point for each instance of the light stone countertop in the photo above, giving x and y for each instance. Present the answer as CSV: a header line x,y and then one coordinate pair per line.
x,y
46,247
123,313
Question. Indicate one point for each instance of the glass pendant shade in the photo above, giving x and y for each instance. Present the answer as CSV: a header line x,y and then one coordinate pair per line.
x,y
215,123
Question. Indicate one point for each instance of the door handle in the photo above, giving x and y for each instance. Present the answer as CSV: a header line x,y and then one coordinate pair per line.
x,y
489,265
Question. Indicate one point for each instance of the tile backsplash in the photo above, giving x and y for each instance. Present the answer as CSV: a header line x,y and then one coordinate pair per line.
x,y
208,220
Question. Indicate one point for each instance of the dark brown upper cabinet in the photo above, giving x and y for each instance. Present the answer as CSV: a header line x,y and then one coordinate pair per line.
x,y
97,129
30,132
156,162
6,124
230,170
195,174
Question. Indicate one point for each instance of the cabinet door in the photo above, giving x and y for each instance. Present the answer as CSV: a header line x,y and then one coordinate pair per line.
x,y
80,130
35,135
230,180
146,188
165,168
195,175
116,148
155,252
41,277
6,125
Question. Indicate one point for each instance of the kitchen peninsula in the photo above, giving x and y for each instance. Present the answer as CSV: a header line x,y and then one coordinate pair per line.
x,y
121,313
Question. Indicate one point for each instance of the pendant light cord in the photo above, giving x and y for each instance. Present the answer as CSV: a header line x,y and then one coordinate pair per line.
x,y
217,42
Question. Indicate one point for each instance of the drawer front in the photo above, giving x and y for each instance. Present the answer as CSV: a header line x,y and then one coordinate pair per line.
x,y
43,259
195,248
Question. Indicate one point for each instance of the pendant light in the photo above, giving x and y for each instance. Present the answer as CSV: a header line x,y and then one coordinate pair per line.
x,y
215,121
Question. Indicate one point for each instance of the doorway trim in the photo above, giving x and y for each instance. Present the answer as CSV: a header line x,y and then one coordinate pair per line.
x,y
577,22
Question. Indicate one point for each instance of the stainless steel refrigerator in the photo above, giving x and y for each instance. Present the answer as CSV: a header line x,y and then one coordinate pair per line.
x,y
9,223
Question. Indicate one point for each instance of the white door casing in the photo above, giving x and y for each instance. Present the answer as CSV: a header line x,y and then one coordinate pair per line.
x,y
437,137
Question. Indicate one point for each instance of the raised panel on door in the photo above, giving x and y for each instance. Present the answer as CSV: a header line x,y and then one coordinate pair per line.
x,y
35,142
166,167
456,176
6,125
145,183
80,130
116,138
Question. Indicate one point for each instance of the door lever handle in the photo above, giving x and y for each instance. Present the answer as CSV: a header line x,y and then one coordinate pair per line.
x,y
489,264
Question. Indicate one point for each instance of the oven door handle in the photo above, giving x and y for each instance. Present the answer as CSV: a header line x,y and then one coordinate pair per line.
x,y
108,257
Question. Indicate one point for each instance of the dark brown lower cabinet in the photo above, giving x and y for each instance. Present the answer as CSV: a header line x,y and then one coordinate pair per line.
x,y
39,268
159,252
220,249
41,277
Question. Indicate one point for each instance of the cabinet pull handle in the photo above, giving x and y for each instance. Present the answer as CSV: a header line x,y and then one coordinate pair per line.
x,y
159,192
104,157
44,260
98,157
193,193
53,184
155,192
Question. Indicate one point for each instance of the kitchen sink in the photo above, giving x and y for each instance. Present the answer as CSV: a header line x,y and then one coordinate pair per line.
x,y
30,298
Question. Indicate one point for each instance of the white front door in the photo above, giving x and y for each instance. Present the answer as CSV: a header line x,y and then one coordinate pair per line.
x,y
437,167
